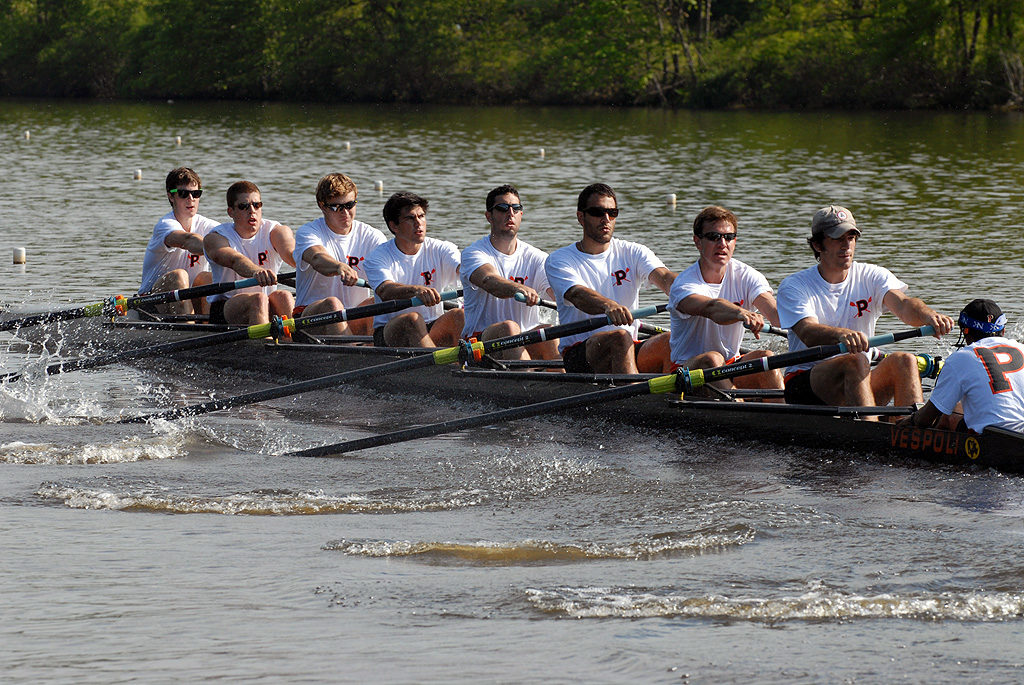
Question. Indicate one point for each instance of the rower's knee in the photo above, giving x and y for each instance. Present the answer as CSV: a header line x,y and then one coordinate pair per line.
x,y
706,360
502,329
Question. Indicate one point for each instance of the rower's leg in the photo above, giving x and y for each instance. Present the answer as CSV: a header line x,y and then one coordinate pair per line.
x,y
896,378
655,355
708,360
447,328
502,329
172,280
363,326
547,349
611,352
328,304
247,308
281,303
407,330
199,304
843,381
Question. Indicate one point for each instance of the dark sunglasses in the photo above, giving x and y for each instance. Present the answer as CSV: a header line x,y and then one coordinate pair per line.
x,y
504,207
242,206
601,211
185,193
350,205
713,237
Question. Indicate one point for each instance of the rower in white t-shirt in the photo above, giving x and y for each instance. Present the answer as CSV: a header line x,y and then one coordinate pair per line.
x,y
494,270
249,247
602,275
174,256
330,254
839,301
983,381
414,265
712,301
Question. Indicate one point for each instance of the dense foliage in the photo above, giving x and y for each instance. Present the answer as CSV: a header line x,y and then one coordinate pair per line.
x,y
705,53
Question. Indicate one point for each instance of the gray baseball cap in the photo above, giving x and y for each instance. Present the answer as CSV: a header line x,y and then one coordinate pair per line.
x,y
833,221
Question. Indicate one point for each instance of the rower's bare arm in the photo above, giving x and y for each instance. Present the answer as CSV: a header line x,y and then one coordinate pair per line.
x,y
488,278
662,279
323,263
925,416
283,240
220,251
914,312
765,303
721,311
389,290
592,302
812,333
183,240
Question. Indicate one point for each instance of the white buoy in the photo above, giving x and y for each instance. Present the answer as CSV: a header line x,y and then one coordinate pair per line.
x,y
348,145
671,199
378,186
28,135
19,255
137,175
177,141
542,153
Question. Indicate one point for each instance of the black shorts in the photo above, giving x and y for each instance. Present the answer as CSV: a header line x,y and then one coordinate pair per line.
x,y
378,333
217,311
798,390
574,357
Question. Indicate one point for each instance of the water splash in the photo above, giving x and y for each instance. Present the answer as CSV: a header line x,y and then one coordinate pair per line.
x,y
131,449
255,503
817,604
529,552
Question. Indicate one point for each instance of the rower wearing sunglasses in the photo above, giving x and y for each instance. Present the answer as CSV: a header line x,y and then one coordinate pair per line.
x,y
330,253
602,274
174,257
249,246
714,299
838,301
497,268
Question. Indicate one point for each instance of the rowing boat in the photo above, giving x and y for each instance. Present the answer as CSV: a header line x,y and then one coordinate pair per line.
x,y
842,428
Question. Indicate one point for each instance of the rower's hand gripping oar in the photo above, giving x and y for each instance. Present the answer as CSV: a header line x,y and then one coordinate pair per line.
x,y
680,381
466,352
276,329
118,305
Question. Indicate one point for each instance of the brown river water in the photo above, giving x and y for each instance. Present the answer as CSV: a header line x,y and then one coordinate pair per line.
x,y
545,550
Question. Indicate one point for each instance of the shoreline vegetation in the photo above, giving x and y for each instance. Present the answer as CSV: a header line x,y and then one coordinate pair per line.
x,y
781,54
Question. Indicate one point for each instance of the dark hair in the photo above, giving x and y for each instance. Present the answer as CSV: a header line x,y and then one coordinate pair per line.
x,y
334,184
594,189
710,215
399,201
182,176
240,187
507,189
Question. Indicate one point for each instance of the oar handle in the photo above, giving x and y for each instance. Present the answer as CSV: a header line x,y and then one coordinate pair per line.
x,y
696,378
322,319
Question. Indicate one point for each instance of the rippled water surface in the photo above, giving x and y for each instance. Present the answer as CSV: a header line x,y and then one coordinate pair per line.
x,y
549,549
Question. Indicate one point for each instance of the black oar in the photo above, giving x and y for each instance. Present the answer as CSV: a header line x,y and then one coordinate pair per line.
x,y
446,355
119,304
275,329
681,381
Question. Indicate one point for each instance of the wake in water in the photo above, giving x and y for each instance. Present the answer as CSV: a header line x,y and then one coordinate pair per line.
x,y
817,604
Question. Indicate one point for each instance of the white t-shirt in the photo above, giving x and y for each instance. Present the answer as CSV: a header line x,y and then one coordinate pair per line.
x,y
525,265
618,273
988,378
351,248
693,335
161,259
258,249
856,303
435,265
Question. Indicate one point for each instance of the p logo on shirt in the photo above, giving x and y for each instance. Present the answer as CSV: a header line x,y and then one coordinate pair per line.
x,y
862,306
621,276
